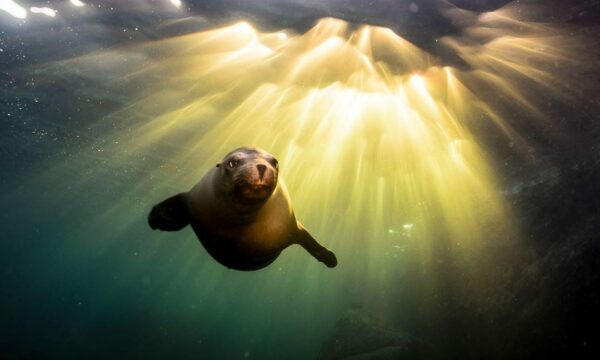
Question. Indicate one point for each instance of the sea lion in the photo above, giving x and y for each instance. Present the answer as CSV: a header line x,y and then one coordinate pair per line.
x,y
241,212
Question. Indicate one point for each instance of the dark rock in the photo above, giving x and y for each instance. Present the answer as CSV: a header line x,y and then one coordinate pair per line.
x,y
359,335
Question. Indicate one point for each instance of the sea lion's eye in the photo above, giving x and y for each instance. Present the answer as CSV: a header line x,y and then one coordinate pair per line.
x,y
275,164
232,163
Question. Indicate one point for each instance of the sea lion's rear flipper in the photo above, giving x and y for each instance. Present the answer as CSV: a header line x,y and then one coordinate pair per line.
x,y
169,215
317,250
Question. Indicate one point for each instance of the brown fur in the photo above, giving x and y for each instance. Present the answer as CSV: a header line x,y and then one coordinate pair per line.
x,y
241,212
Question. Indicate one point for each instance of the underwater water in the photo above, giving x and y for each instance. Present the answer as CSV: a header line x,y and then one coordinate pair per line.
x,y
447,152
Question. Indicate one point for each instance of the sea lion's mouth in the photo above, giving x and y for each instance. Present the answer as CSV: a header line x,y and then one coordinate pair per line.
x,y
259,187
255,191
253,183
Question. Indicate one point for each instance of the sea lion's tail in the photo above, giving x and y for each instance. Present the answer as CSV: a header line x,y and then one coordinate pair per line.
x,y
169,215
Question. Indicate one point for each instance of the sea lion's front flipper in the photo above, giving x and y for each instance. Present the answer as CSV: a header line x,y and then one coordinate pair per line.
x,y
317,250
169,215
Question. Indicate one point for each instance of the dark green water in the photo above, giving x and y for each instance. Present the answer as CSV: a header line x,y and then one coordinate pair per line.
x,y
459,197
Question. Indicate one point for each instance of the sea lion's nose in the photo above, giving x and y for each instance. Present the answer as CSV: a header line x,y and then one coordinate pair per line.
x,y
261,169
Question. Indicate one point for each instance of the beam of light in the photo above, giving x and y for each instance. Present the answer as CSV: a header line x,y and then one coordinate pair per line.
x,y
374,136
345,113
177,3
13,8
77,3
522,59
43,10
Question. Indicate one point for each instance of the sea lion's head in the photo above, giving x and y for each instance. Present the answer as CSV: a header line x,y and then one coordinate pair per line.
x,y
249,174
